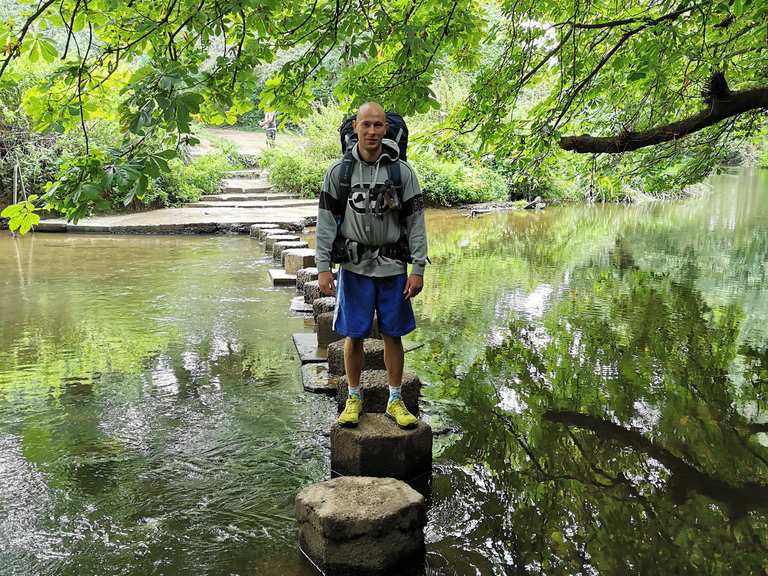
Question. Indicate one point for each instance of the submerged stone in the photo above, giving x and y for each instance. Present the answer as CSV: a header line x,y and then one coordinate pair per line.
x,y
358,526
315,378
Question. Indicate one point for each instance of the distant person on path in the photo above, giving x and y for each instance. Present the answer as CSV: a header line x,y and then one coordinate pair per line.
x,y
379,229
270,125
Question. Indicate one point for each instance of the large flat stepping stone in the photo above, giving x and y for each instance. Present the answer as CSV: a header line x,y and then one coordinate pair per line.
x,y
279,247
255,229
279,278
374,389
262,233
315,378
305,275
324,328
282,236
312,291
296,259
306,346
373,356
298,306
321,305
359,526
377,446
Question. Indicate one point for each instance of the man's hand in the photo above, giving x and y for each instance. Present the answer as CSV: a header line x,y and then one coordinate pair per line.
x,y
413,286
327,283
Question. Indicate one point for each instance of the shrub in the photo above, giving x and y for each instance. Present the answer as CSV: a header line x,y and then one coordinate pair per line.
x,y
293,170
188,181
450,182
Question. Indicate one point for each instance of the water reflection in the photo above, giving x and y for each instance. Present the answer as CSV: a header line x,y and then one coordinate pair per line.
x,y
620,431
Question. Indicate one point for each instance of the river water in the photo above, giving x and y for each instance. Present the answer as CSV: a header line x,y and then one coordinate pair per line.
x,y
596,378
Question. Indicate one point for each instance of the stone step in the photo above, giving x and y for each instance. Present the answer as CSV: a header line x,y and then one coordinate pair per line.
x,y
308,350
278,248
293,202
298,306
261,231
246,197
315,378
297,259
305,275
280,278
378,447
251,173
245,186
361,526
283,236
324,328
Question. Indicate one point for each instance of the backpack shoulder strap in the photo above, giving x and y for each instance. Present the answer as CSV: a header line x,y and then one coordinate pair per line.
x,y
345,181
395,174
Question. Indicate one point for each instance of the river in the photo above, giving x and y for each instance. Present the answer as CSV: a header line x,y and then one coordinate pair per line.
x,y
596,378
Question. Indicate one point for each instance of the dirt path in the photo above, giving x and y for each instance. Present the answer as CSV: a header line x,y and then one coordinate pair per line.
x,y
247,141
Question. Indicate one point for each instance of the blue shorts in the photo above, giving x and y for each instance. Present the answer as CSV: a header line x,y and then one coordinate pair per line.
x,y
357,297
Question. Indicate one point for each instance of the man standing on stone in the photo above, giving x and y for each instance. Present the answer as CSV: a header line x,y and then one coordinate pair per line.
x,y
372,221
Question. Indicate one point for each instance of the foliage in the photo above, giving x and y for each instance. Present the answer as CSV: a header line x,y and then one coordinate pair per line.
x,y
291,170
451,182
188,181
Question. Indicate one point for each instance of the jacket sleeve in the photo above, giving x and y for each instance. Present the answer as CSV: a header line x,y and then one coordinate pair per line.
x,y
329,213
413,205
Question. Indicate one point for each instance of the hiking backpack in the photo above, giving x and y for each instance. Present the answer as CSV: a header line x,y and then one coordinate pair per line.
x,y
397,130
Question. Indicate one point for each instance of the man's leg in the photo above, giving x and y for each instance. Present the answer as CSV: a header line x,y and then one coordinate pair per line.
x,y
394,359
353,362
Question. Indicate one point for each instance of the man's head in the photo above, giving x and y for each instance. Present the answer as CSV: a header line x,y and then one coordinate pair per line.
x,y
370,125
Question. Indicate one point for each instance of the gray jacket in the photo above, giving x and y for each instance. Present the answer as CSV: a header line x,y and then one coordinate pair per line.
x,y
364,223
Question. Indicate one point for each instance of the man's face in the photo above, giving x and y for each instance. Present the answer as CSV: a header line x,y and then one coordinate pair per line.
x,y
370,127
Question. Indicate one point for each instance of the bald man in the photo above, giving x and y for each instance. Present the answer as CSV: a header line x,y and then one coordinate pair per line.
x,y
374,221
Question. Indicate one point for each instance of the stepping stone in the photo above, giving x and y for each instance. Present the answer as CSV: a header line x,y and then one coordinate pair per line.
x,y
321,305
255,229
280,278
283,236
297,259
373,356
306,346
374,389
299,306
305,275
361,526
279,247
324,329
315,378
312,291
264,232
377,446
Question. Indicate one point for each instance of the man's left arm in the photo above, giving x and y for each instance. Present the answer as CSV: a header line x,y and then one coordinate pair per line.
x,y
416,231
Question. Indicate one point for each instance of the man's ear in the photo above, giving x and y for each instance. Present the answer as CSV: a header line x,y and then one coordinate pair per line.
x,y
354,124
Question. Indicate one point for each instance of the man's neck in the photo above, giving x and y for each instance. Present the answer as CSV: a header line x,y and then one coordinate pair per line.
x,y
369,156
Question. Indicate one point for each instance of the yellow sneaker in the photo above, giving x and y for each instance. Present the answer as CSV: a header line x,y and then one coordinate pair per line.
x,y
399,413
351,413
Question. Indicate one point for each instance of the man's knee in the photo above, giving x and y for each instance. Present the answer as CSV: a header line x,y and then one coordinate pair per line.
x,y
354,344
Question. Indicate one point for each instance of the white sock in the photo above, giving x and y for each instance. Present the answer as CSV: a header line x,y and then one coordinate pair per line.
x,y
354,391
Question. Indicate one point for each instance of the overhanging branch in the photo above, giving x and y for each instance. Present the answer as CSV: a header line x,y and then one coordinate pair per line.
x,y
727,106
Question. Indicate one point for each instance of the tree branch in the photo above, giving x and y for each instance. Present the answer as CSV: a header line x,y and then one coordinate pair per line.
x,y
732,104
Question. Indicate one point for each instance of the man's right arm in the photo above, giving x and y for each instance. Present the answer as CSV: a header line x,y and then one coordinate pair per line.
x,y
329,212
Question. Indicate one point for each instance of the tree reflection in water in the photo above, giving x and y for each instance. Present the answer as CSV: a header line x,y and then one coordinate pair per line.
x,y
614,430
